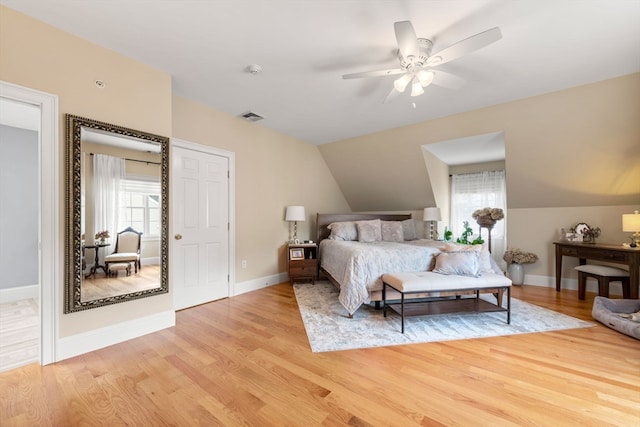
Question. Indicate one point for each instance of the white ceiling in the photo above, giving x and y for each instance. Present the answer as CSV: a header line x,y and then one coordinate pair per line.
x,y
304,47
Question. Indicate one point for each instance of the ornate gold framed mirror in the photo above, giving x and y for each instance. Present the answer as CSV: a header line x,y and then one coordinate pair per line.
x,y
116,221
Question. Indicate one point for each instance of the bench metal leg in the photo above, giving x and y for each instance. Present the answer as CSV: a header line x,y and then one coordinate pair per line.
x,y
384,299
508,305
402,310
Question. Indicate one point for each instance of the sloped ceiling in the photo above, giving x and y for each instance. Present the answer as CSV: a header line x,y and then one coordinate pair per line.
x,y
304,47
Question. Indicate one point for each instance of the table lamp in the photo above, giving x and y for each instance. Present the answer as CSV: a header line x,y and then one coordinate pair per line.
x,y
432,215
295,214
631,224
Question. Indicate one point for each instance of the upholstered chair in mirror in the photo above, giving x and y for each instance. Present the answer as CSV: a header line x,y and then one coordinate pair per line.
x,y
127,249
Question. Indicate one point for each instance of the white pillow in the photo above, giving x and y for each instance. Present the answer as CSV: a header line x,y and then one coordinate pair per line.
x,y
369,231
409,230
483,250
345,230
463,263
392,231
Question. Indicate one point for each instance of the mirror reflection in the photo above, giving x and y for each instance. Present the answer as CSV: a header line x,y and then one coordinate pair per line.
x,y
119,214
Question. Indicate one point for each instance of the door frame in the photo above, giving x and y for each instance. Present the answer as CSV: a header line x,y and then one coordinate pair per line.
x,y
230,156
49,226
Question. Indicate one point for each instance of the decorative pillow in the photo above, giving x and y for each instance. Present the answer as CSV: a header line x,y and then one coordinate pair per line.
x,y
464,263
392,231
483,250
369,231
345,230
409,230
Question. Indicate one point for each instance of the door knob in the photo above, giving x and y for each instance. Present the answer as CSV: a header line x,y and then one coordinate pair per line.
x,y
178,236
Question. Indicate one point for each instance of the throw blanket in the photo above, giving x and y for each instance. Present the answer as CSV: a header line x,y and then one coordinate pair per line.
x,y
358,267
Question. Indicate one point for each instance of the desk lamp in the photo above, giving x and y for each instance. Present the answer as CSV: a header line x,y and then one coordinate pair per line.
x,y
631,224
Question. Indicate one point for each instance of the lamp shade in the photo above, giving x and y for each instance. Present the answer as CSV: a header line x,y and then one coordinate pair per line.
x,y
631,222
295,213
431,214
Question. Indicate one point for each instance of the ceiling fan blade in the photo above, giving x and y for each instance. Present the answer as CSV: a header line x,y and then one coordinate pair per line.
x,y
465,47
448,80
406,38
379,73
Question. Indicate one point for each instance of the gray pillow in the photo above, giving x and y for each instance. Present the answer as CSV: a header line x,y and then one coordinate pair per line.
x,y
464,263
392,231
345,230
409,230
369,231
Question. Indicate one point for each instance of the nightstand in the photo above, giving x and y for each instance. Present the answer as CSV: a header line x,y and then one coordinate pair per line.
x,y
303,261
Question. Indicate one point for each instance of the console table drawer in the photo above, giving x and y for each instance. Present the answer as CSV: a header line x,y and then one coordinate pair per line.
x,y
569,251
613,256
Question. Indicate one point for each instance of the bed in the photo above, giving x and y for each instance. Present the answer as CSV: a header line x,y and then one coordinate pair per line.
x,y
356,267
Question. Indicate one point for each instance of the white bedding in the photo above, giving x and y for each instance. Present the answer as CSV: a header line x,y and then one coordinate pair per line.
x,y
359,267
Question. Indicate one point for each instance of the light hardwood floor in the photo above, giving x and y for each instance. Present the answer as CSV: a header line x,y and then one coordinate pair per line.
x,y
246,361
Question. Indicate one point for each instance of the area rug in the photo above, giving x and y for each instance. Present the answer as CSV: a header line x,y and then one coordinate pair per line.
x,y
330,329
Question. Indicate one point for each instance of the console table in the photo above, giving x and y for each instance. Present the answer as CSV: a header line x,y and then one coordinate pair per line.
x,y
616,254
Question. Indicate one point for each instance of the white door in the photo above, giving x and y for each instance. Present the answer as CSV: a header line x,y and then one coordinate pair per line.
x,y
200,209
48,255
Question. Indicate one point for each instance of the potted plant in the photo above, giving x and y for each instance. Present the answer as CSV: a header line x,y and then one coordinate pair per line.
x,y
468,232
515,258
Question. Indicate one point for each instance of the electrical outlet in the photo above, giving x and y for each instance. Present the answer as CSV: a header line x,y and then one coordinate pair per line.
x,y
244,263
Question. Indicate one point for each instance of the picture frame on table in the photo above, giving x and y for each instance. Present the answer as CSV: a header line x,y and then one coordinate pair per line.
x,y
296,253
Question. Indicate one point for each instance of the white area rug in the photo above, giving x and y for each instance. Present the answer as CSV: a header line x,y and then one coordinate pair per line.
x,y
329,327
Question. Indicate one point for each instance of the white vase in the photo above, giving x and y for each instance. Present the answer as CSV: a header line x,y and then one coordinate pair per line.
x,y
516,273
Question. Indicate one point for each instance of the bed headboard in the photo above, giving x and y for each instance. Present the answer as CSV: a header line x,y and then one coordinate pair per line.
x,y
323,220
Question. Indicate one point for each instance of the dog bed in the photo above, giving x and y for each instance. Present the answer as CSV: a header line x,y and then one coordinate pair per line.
x,y
611,313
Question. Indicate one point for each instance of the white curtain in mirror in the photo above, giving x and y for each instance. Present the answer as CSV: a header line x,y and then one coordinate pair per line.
x,y
476,191
108,172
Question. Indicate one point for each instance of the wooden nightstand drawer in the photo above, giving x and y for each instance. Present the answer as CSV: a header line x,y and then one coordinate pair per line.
x,y
305,268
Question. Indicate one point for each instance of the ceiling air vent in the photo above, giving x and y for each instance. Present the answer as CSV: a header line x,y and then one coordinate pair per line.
x,y
250,116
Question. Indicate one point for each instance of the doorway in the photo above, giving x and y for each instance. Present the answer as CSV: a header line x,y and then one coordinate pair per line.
x,y
25,111
202,219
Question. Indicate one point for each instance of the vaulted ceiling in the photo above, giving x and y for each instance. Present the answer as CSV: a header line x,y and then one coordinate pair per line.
x,y
304,47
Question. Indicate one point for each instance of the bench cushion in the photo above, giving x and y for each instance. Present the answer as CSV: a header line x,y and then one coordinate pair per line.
x,y
602,270
120,266
428,281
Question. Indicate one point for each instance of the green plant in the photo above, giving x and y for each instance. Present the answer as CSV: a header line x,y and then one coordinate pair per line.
x,y
448,235
468,232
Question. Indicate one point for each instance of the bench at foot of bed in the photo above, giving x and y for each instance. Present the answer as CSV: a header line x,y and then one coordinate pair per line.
x,y
427,282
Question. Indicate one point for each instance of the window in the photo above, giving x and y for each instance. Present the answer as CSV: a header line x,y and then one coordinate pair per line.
x,y
140,206
476,191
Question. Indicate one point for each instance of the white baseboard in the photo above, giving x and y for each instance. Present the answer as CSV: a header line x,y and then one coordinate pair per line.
x,y
20,293
113,334
255,284
150,261
571,284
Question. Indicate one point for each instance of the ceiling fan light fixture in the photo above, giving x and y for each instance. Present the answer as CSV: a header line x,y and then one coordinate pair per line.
x,y
416,88
426,77
401,84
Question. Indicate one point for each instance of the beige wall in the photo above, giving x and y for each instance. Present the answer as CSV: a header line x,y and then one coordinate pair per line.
x,y
572,155
41,57
272,171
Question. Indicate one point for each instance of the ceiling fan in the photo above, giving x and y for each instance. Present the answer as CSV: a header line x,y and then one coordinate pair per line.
x,y
417,62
